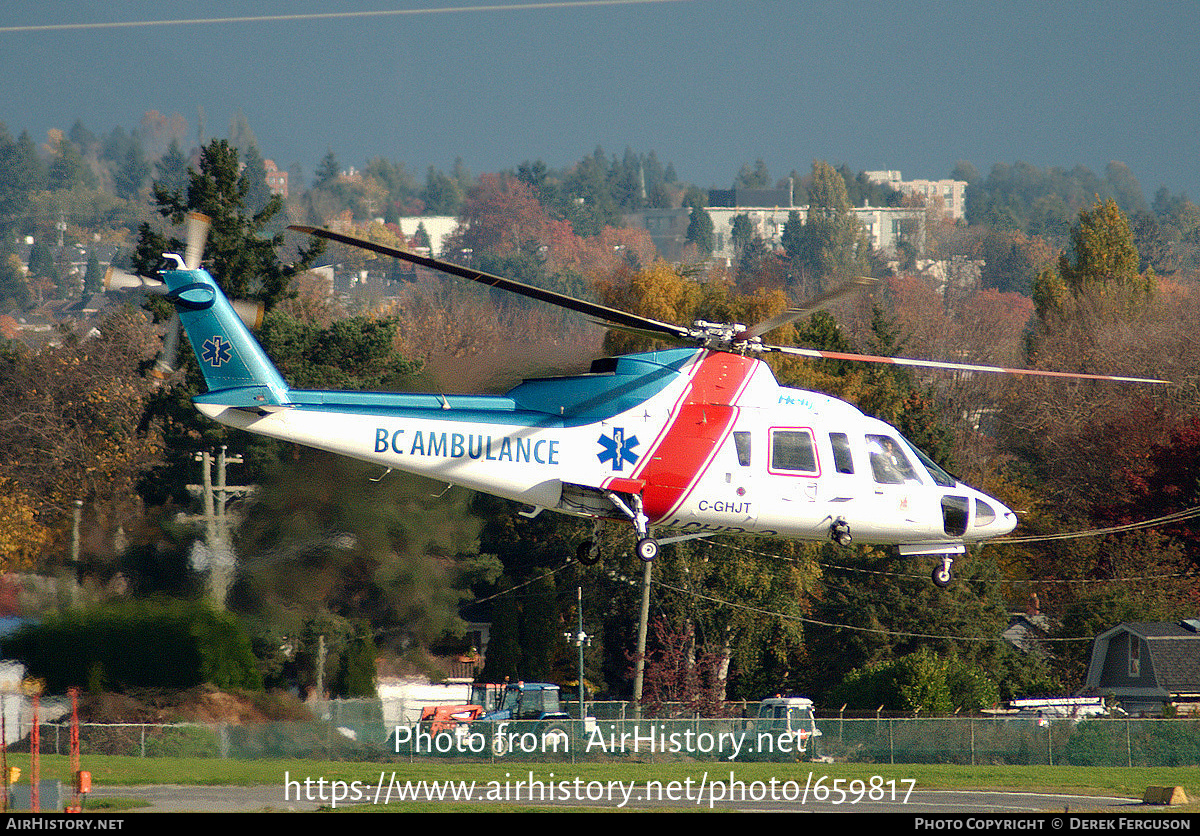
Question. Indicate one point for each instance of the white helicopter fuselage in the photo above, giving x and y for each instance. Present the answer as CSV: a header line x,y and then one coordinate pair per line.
x,y
703,442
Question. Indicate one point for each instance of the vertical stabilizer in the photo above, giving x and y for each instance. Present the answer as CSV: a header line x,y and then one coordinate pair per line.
x,y
235,368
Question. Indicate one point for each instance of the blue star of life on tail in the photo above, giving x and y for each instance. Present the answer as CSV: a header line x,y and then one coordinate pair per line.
x,y
618,449
216,351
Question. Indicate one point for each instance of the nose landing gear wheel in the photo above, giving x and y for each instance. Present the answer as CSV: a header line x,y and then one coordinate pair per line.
x,y
647,549
942,576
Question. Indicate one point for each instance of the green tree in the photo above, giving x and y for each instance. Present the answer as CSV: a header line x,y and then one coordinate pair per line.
x,y
171,171
919,681
68,170
442,194
831,245
14,290
128,164
139,645
327,171
700,230
21,174
1101,262
93,276
258,193
322,540
241,259
753,177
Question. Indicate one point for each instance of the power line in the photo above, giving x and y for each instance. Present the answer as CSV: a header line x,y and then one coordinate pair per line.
x,y
517,7
1178,516
874,630
1167,519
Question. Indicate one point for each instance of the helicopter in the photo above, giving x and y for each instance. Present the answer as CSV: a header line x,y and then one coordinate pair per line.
x,y
679,443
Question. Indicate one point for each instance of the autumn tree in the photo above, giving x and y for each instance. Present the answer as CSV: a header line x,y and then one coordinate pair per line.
x,y
23,536
72,428
1095,313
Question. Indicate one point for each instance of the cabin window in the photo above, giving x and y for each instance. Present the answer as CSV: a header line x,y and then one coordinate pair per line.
x,y
843,462
889,464
793,451
741,442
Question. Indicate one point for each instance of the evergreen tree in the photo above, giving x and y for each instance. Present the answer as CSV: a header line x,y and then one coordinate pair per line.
x,y
258,193
68,170
327,171
14,290
700,230
93,277
241,260
442,194
21,175
171,171
831,245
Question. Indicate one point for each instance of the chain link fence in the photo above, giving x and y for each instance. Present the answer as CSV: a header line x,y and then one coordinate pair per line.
x,y
355,730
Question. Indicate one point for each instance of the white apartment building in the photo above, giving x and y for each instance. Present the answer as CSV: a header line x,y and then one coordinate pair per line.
x,y
668,227
953,193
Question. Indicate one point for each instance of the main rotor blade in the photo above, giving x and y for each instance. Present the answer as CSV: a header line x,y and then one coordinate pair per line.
x,y
602,312
817,302
963,367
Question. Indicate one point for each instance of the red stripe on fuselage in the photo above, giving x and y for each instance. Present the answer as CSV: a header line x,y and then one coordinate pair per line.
x,y
702,420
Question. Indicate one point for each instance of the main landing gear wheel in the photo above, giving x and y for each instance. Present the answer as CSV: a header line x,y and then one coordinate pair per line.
x,y
647,549
588,553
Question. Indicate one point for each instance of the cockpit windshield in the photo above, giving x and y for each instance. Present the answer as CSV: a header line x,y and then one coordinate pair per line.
x,y
890,464
940,477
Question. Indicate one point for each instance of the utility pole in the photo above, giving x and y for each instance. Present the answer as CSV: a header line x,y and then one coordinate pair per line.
x,y
580,639
219,560
639,669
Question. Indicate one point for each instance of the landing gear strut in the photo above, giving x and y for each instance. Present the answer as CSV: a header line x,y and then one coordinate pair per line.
x,y
647,546
839,532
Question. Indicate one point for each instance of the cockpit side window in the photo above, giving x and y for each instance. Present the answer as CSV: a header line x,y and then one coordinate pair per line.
x,y
889,464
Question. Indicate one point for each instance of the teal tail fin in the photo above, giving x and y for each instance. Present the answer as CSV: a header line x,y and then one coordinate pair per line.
x,y
236,369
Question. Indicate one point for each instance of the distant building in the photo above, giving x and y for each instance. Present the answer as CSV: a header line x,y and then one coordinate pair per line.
x,y
732,198
953,193
885,225
277,181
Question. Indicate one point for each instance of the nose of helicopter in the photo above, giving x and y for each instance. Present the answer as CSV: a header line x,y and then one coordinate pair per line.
x,y
992,517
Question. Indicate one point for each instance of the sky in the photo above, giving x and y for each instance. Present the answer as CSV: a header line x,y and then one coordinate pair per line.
x,y
708,85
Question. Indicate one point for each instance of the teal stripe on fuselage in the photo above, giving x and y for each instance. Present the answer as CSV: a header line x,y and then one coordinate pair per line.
x,y
558,401
476,410
635,379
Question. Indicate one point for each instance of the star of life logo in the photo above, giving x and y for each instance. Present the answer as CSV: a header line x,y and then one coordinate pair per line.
x,y
618,449
216,351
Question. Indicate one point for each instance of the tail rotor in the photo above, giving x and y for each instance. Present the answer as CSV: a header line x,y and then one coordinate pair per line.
x,y
167,361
